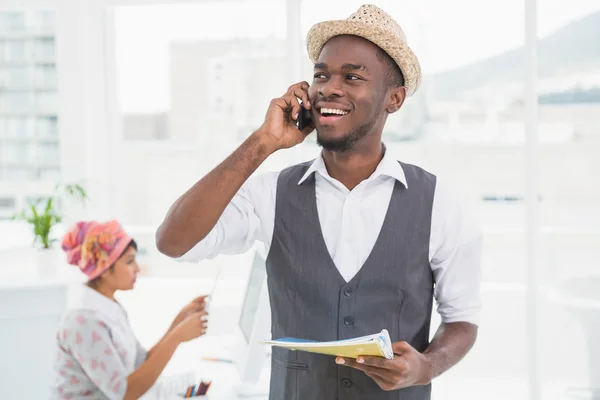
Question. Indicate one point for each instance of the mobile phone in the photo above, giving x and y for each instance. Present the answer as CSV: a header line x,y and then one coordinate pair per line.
x,y
304,118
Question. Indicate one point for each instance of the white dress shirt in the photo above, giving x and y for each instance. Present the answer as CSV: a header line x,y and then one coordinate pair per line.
x,y
351,222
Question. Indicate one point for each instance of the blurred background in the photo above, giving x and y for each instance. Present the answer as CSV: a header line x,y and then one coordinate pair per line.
x,y
136,100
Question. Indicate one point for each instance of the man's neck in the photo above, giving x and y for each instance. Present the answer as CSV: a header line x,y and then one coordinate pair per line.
x,y
354,166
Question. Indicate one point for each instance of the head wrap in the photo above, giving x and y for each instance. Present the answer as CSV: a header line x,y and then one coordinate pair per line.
x,y
94,247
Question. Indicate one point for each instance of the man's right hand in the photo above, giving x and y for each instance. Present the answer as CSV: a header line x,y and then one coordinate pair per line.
x,y
279,126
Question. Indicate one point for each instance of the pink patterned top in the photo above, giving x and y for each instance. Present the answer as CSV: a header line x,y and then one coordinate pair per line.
x,y
96,352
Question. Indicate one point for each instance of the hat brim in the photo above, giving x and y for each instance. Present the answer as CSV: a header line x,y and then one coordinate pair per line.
x,y
400,52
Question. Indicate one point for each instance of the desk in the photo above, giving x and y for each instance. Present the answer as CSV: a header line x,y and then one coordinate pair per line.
x,y
187,368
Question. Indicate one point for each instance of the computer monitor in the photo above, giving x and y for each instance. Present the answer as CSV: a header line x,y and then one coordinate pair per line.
x,y
254,324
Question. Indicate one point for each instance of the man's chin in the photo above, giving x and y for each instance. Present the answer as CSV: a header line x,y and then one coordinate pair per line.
x,y
334,144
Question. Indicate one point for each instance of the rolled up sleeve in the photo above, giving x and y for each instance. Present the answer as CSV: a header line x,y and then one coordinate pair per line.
x,y
455,257
240,225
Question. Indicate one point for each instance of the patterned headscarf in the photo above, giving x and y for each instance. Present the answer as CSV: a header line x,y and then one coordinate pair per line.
x,y
95,246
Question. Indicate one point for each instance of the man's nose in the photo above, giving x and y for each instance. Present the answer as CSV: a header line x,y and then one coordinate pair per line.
x,y
333,87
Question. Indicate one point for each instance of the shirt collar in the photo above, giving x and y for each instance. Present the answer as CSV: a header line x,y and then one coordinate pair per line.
x,y
92,300
387,167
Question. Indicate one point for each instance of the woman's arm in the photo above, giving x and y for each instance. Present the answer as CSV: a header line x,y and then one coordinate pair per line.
x,y
142,379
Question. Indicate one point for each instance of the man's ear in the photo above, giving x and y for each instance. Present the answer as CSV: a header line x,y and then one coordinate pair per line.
x,y
396,98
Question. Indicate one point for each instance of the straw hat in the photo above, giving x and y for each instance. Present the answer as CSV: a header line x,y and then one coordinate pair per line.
x,y
374,24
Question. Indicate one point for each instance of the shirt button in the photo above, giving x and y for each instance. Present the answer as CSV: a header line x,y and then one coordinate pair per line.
x,y
348,321
348,292
346,382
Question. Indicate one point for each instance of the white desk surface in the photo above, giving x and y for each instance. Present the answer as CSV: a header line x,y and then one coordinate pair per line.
x,y
19,270
188,365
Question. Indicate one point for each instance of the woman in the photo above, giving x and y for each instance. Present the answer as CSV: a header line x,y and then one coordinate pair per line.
x,y
98,355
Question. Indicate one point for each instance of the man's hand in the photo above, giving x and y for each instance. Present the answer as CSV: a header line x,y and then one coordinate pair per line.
x,y
280,122
408,368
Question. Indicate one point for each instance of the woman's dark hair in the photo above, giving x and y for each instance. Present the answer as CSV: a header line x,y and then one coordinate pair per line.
x,y
94,282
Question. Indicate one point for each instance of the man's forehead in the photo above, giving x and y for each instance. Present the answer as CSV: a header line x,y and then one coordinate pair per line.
x,y
347,45
347,52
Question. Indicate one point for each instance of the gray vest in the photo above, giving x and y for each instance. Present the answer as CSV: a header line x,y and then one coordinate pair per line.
x,y
310,299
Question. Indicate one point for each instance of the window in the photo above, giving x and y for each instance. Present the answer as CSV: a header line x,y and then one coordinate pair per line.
x,y
168,68
12,22
49,174
14,51
44,21
7,202
18,173
47,126
17,152
45,76
14,76
17,102
20,127
48,153
46,102
44,49
28,92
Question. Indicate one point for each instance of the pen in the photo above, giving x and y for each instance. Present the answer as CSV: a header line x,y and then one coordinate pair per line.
x,y
214,287
201,389
216,359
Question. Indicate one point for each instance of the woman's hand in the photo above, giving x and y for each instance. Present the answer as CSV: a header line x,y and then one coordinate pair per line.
x,y
196,305
193,326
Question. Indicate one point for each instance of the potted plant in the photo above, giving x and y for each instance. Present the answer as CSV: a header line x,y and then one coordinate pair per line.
x,y
43,215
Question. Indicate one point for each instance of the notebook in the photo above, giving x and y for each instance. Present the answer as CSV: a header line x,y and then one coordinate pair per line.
x,y
377,344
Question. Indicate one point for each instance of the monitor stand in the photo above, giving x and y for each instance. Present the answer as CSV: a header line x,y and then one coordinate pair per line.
x,y
257,389
252,390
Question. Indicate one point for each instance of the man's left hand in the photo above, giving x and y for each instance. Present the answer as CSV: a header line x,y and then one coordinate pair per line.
x,y
407,368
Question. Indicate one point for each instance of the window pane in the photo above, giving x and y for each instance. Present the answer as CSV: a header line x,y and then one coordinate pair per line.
x,y
48,153
49,174
45,76
12,22
569,109
20,127
47,127
19,102
15,50
177,103
17,152
44,21
14,76
44,49
46,102
19,173
28,93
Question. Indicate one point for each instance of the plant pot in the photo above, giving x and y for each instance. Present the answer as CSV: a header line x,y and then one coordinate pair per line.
x,y
47,261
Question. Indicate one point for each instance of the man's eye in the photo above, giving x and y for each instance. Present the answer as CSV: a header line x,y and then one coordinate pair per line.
x,y
319,76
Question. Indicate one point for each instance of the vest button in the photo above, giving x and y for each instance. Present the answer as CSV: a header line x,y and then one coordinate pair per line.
x,y
348,292
346,382
348,321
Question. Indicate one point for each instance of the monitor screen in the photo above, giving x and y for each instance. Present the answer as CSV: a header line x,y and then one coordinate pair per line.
x,y
252,297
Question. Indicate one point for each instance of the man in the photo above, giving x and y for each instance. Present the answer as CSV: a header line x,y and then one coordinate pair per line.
x,y
357,241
